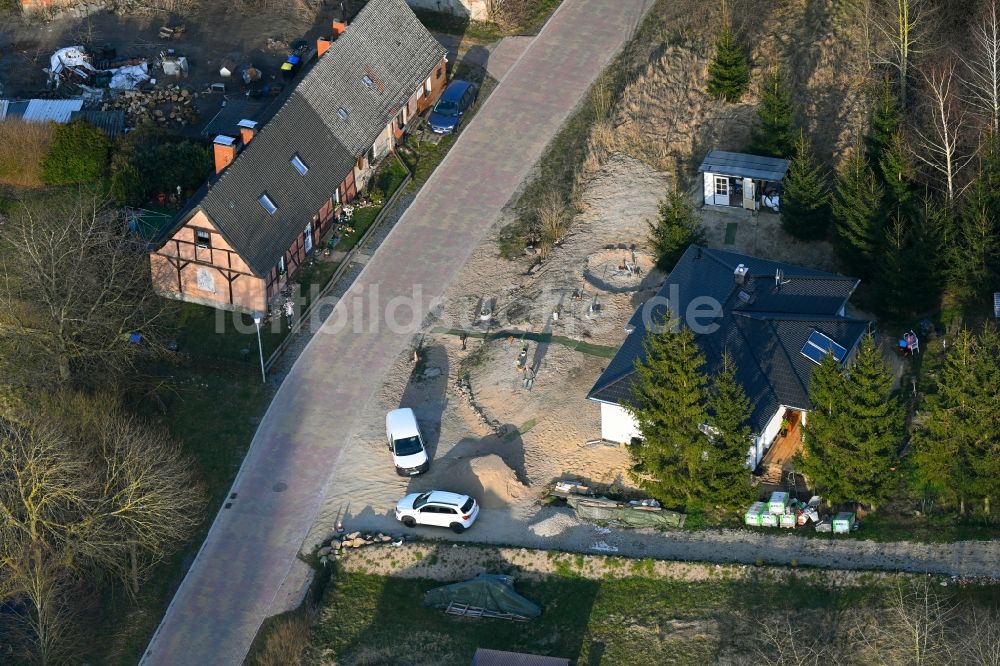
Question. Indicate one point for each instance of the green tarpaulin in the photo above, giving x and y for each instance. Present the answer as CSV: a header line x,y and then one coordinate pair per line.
x,y
492,592
605,510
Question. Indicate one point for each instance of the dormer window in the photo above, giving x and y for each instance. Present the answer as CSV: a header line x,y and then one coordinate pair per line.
x,y
367,80
342,112
267,203
299,165
203,238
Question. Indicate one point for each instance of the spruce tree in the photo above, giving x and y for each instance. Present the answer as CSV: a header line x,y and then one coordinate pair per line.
x,y
972,246
898,175
985,454
876,423
826,447
727,479
855,429
729,71
909,269
668,402
677,228
955,451
883,123
856,211
805,204
773,134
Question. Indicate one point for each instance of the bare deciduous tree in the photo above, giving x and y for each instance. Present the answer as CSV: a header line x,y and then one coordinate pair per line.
x,y
904,26
982,67
914,629
73,288
787,643
939,140
87,491
980,636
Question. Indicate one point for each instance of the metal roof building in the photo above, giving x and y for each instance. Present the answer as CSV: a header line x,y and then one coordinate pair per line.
x,y
738,179
744,165
40,110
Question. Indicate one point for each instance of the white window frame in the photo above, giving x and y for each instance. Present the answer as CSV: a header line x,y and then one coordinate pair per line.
x,y
199,235
722,180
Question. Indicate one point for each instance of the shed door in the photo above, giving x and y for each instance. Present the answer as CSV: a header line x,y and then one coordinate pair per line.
x,y
748,194
722,190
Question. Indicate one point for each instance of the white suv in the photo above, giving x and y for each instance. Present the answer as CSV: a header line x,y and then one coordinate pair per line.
x,y
438,508
405,442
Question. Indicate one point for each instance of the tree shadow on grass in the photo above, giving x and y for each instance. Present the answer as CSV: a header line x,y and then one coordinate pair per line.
x,y
376,619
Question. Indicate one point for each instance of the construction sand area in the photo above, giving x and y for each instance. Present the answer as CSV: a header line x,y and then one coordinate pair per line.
x,y
487,434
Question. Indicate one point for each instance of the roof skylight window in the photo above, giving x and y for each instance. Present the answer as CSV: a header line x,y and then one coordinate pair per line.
x,y
342,112
267,203
367,80
299,165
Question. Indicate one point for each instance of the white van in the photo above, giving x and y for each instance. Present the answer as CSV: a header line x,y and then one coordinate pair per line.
x,y
405,442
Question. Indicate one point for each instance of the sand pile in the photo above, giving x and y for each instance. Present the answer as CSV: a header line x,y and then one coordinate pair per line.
x,y
500,486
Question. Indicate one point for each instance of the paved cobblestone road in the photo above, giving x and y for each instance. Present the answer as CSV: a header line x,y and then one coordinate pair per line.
x,y
241,575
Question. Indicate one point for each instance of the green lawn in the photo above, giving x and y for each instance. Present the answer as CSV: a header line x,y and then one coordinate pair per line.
x,y
612,621
384,184
217,432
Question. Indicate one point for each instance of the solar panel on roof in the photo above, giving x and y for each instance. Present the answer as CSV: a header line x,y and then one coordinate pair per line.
x,y
819,345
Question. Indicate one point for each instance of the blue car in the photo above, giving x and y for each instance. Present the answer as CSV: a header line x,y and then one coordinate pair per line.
x,y
454,102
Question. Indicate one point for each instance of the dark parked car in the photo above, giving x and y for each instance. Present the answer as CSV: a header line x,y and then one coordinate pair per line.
x,y
454,102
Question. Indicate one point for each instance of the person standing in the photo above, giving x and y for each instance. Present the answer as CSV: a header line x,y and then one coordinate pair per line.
x,y
289,311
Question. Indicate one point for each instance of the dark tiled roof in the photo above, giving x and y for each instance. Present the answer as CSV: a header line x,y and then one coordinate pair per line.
x,y
111,122
742,164
385,43
487,657
264,166
233,111
385,37
764,329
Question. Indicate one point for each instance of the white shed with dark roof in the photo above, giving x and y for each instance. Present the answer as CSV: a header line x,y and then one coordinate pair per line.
x,y
740,179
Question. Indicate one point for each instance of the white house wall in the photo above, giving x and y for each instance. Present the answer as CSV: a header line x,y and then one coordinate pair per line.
x,y
617,425
765,439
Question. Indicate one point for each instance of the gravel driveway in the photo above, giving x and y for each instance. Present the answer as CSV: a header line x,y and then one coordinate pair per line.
x,y
559,529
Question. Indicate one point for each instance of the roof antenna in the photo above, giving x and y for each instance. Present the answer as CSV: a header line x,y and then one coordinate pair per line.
x,y
779,278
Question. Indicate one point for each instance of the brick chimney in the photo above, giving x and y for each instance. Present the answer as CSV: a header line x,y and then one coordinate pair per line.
x,y
248,130
225,151
338,28
322,46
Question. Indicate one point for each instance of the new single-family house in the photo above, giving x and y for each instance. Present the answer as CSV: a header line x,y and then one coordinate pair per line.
x,y
741,180
775,320
279,185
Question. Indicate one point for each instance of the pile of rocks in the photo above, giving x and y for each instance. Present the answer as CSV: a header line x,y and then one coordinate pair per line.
x,y
171,106
331,549
464,387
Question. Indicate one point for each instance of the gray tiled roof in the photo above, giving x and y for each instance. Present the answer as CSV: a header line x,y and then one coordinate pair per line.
x,y
265,166
387,38
387,44
763,336
745,165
